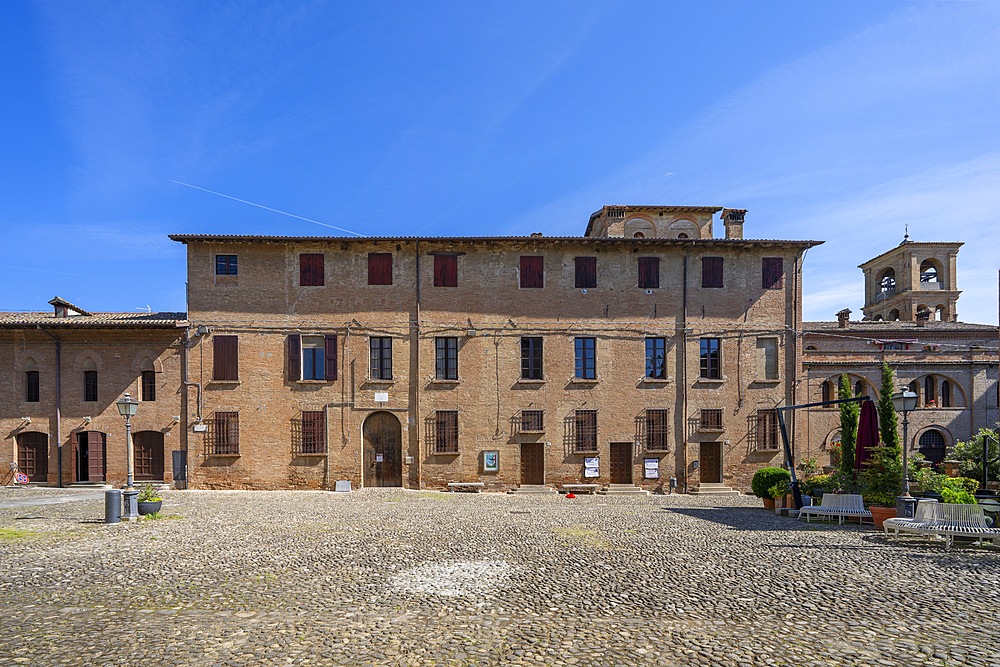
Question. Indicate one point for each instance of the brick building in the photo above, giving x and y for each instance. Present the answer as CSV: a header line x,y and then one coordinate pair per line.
x,y
65,370
642,351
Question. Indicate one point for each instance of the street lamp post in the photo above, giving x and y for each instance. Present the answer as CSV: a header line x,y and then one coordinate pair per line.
x,y
905,401
127,407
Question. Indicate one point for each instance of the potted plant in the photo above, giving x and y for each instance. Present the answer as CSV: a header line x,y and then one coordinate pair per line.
x,y
149,499
764,479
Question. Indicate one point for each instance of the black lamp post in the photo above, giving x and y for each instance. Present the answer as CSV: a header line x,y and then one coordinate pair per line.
x,y
127,407
905,401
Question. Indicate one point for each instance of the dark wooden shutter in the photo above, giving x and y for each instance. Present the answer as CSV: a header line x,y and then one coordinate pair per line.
x,y
294,357
649,272
95,454
711,271
772,273
311,270
331,357
225,362
586,272
532,271
445,271
379,268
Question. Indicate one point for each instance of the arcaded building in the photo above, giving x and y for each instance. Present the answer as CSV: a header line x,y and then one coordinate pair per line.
x,y
644,351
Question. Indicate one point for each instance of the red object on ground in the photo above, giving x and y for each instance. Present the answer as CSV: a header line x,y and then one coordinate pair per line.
x,y
570,495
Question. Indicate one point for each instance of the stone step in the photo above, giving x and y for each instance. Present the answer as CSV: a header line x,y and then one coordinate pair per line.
x,y
712,489
534,488
90,485
623,490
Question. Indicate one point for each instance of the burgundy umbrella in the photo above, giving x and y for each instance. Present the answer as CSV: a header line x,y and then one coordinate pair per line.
x,y
868,434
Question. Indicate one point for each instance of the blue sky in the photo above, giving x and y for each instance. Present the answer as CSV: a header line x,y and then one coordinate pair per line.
x,y
840,121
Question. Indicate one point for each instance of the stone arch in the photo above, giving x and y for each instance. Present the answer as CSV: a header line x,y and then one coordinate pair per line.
x,y
827,390
89,358
931,271
811,348
935,440
639,228
683,229
893,315
146,361
877,318
887,280
940,313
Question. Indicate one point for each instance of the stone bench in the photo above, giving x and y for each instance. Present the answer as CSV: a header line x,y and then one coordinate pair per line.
x,y
580,488
471,487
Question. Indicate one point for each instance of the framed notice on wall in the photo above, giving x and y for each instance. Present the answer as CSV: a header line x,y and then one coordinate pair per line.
x,y
592,466
651,468
491,460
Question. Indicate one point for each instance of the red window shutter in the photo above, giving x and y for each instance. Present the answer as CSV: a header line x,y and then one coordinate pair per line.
x,y
379,268
532,271
586,272
294,357
649,272
225,364
773,273
445,271
711,271
311,273
331,357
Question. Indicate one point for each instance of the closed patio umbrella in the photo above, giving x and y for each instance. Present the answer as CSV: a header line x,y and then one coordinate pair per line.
x,y
868,435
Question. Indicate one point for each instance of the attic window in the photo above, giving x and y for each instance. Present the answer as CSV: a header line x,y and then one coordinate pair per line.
x,y
616,213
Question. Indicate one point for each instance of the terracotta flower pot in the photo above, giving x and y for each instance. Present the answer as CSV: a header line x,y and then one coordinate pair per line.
x,y
768,503
880,514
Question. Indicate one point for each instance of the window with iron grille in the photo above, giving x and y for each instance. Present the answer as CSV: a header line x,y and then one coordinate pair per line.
x,y
532,421
586,271
446,358
224,439
446,432
311,272
31,387
531,358
585,431
649,272
225,358
711,271
312,432
225,265
586,358
710,419
711,358
765,434
445,270
656,358
148,386
381,357
379,268
90,386
657,430
772,273
532,271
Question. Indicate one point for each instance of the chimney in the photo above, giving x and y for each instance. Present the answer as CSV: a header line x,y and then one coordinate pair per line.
x,y
843,317
922,317
732,218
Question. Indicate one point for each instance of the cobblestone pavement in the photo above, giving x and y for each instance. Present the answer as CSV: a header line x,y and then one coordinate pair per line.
x,y
393,577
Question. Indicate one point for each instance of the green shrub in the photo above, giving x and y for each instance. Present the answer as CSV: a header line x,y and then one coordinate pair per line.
x,y
927,480
966,484
959,496
779,490
817,485
148,494
765,478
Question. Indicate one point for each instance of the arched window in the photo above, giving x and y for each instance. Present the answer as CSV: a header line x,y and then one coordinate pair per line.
x,y
827,391
89,380
810,348
887,282
859,388
928,272
894,315
638,235
930,393
945,394
878,318
915,388
931,445
939,314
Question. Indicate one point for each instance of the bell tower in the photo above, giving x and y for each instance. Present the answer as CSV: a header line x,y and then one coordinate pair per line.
x,y
914,277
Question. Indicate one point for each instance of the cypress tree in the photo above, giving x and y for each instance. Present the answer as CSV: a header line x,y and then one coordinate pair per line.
x,y
849,413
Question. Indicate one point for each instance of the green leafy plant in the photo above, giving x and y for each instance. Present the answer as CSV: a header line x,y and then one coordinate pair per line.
x,y
835,453
809,467
765,478
966,484
928,481
888,423
148,494
779,490
969,453
957,496
818,485
849,413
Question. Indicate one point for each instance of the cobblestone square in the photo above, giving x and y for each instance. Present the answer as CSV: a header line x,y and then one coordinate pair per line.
x,y
395,577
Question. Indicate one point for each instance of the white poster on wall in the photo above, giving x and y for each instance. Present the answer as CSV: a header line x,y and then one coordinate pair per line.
x,y
592,466
651,468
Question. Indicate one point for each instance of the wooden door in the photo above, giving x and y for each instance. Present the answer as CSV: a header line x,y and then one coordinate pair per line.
x,y
33,455
95,456
532,463
383,456
711,462
621,462
148,451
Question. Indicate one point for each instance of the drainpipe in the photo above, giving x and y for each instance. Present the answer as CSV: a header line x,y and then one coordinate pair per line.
x,y
59,443
683,384
414,432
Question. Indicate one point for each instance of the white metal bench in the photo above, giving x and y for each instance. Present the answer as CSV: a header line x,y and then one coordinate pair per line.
x,y
928,512
840,505
953,520
580,488
472,487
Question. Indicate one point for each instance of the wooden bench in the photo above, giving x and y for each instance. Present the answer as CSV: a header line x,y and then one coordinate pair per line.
x,y
949,521
580,488
840,505
471,487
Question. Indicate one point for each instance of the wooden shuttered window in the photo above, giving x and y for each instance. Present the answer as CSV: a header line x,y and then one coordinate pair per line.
x,y
328,352
445,270
311,270
381,357
649,272
379,268
711,271
446,432
225,358
772,273
586,271
585,431
532,271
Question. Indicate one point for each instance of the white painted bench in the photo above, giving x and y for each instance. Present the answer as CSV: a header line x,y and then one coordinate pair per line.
x,y
580,488
949,521
840,505
472,487
928,511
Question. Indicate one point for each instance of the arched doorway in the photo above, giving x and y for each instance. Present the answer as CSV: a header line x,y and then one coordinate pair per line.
x,y
932,445
148,451
383,454
33,455
90,456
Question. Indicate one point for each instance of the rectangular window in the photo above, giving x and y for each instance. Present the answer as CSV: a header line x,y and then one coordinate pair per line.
x,y
649,272
311,272
225,358
711,359
710,419
531,358
656,358
446,358
90,386
313,435
772,273
765,431
379,268
148,386
711,271
586,271
585,431
225,265
446,432
225,437
657,430
532,421
312,357
31,392
767,358
445,270
586,358
532,271
381,358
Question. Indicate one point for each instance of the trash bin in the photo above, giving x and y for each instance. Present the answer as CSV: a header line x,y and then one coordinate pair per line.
x,y
906,507
112,506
